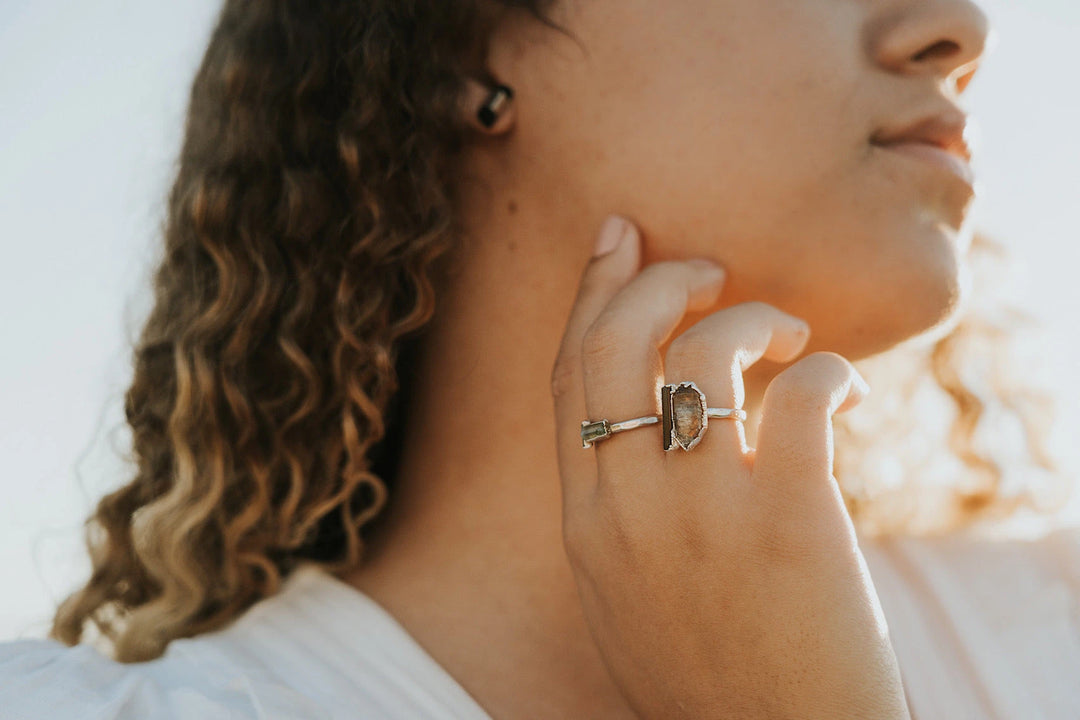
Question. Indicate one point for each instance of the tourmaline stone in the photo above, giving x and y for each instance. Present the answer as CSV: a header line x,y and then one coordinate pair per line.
x,y
683,415
593,431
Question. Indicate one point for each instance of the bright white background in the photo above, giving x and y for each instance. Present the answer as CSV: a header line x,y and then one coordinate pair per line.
x,y
92,97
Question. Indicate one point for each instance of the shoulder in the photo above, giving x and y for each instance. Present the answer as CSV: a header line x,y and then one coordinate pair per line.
x,y
46,679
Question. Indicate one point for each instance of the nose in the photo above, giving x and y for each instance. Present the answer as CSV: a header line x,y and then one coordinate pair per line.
x,y
945,38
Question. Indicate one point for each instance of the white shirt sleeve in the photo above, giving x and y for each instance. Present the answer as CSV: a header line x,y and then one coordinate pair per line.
x,y
45,679
317,650
984,627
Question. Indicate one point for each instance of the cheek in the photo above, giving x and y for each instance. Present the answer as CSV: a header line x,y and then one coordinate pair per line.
x,y
735,138
820,225
868,253
758,154
722,101
758,179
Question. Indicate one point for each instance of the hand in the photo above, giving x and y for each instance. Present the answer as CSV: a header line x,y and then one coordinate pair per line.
x,y
722,582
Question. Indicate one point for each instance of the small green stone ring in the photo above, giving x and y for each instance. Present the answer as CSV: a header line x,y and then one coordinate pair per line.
x,y
684,418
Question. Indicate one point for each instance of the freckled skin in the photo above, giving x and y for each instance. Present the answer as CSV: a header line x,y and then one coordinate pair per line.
x,y
734,130
743,135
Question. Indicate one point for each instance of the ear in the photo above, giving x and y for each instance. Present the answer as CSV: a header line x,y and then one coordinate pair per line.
x,y
488,108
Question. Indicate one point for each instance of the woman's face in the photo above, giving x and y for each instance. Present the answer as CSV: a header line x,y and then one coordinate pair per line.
x,y
742,130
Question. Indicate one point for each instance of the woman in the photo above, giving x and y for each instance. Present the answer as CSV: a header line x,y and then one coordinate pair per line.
x,y
418,253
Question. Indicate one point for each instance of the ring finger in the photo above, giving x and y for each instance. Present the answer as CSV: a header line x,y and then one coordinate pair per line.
x,y
713,354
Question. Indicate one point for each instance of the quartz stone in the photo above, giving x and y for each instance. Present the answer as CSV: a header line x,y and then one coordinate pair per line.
x,y
687,419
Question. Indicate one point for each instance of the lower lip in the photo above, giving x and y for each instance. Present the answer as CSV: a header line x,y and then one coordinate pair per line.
x,y
938,156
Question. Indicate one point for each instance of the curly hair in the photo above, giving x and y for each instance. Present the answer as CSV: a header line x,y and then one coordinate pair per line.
x,y
311,205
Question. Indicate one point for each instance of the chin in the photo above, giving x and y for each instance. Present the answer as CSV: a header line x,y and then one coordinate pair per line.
x,y
944,311
919,305
930,307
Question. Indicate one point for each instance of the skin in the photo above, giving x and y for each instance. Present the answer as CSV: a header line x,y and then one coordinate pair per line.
x,y
732,131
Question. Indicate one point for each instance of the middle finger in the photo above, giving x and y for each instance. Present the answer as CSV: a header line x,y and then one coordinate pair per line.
x,y
714,353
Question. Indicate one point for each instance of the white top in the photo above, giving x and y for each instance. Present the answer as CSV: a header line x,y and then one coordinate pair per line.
x,y
318,649
981,629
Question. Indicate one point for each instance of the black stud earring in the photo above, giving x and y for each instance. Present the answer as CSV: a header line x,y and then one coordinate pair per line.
x,y
489,111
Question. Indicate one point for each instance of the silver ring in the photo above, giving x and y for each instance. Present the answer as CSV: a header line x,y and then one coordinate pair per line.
x,y
684,418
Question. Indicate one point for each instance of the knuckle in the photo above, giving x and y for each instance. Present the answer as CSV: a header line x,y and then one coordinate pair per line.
x,y
806,385
797,397
601,341
707,339
695,356
697,346
687,352
564,377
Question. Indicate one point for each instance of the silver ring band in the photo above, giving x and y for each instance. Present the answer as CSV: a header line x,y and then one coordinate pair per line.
x,y
684,417
596,431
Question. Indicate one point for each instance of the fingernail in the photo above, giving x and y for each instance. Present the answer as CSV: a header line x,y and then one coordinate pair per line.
x,y
611,235
712,272
864,387
802,329
802,338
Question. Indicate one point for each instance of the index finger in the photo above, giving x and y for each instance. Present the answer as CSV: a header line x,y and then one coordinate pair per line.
x,y
610,363
601,279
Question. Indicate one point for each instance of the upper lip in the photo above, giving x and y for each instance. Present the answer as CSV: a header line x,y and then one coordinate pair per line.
x,y
944,130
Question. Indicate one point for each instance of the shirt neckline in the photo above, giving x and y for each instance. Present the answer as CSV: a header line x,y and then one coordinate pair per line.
x,y
351,607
